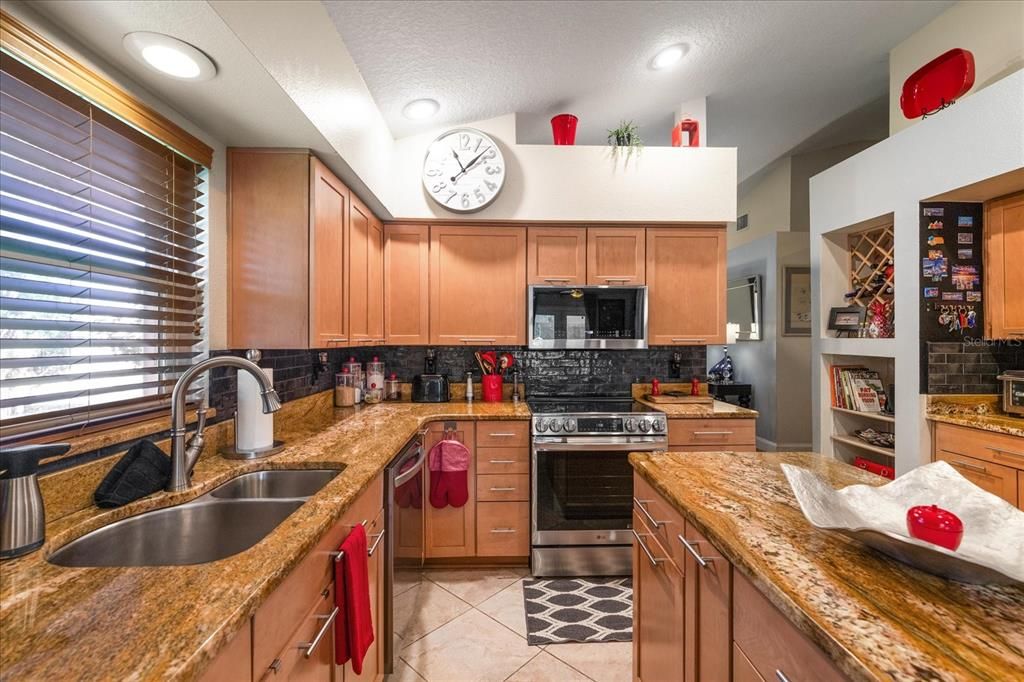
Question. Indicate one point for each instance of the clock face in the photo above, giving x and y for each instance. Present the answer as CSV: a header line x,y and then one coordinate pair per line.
x,y
464,170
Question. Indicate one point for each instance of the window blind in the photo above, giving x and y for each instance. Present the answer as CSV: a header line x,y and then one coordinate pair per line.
x,y
102,261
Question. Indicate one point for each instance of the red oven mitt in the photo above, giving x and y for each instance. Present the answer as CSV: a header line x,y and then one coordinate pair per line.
x,y
449,474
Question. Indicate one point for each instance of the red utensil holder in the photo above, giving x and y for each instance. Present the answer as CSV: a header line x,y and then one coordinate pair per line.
x,y
563,129
492,387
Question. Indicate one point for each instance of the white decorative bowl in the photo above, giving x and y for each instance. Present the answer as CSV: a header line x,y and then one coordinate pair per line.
x,y
992,549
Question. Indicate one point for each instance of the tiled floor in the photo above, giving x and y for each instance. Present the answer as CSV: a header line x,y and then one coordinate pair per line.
x,y
470,625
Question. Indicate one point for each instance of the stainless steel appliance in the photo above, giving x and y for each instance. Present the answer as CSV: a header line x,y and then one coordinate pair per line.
x,y
430,388
587,316
22,518
582,482
1013,391
405,499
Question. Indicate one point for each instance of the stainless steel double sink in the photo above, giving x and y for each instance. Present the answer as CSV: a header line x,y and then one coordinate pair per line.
x,y
225,521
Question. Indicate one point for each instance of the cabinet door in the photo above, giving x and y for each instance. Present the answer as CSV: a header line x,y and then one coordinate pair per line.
x,y
406,284
360,237
658,595
450,531
478,285
708,617
234,662
556,255
330,201
375,282
1004,267
615,255
686,285
373,662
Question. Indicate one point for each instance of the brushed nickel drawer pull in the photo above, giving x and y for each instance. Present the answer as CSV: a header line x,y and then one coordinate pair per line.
x,y
1000,451
965,465
616,279
503,490
310,647
502,461
688,340
502,434
954,452
477,340
643,510
702,560
650,556
556,280
780,676
503,530
373,547
712,433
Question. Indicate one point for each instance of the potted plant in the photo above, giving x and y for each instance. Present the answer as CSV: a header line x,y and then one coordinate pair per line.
x,y
626,136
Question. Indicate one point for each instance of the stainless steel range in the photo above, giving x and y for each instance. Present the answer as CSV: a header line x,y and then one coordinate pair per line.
x,y
582,501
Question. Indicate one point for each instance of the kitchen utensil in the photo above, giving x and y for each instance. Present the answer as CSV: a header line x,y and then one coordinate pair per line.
x,y
505,361
479,362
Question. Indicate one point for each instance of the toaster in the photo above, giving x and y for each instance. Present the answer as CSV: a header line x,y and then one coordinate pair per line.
x,y
430,388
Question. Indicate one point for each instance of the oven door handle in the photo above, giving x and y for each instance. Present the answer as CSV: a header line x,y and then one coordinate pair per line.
x,y
404,477
645,446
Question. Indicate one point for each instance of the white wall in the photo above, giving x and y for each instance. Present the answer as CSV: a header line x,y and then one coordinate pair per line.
x,y
766,205
979,138
993,31
217,289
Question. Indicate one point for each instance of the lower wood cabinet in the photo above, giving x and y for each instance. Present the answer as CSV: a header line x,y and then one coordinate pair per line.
x,y
450,531
992,461
658,609
708,608
694,435
234,662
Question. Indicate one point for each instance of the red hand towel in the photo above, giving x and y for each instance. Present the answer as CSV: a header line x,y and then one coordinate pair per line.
x,y
353,627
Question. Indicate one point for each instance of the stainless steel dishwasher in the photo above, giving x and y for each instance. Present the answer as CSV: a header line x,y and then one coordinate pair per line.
x,y
405,497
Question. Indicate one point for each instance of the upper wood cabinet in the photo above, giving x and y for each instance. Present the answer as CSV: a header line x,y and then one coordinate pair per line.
x,y
406,285
556,255
366,275
615,255
477,285
686,285
287,240
1004,267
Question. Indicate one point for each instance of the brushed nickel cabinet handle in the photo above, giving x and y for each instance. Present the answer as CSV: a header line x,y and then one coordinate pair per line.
x,y
1000,451
502,434
477,340
501,461
616,279
701,560
503,530
310,647
688,340
373,547
965,465
556,280
780,676
643,546
275,666
643,510
712,433
503,490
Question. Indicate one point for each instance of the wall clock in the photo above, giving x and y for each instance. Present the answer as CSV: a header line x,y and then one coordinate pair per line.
x,y
464,170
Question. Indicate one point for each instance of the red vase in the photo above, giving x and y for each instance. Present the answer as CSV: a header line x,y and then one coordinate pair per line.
x,y
691,129
492,385
563,128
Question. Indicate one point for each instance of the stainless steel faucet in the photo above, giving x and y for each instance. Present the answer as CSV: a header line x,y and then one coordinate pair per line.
x,y
184,456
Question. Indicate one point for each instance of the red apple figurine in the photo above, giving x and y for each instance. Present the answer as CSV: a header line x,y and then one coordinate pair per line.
x,y
935,525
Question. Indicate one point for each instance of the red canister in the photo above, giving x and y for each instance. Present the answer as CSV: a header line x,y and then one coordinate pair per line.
x,y
492,387
563,129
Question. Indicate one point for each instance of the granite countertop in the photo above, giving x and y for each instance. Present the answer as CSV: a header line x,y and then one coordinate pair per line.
x,y
977,412
169,622
716,410
875,617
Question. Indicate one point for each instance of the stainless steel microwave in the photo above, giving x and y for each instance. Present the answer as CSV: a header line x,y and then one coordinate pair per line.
x,y
609,317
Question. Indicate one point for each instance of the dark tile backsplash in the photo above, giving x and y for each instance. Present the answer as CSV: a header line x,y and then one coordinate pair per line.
x,y
568,372
968,367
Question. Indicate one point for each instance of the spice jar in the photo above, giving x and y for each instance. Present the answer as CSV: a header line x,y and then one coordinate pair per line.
x,y
356,370
392,388
375,373
374,394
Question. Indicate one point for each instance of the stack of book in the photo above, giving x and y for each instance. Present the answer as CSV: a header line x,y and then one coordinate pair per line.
x,y
858,388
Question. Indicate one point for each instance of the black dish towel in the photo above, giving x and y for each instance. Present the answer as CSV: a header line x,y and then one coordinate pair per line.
x,y
142,471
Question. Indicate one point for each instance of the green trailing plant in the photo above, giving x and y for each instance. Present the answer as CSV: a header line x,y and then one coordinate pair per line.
x,y
626,136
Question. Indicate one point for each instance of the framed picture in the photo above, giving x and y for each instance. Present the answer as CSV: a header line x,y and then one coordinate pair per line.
x,y
847,319
796,297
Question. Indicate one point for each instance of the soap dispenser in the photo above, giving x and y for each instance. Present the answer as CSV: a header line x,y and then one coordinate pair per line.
x,y
22,518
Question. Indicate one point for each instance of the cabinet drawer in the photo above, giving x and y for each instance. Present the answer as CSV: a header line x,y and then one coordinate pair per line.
x,y
503,529
997,448
291,661
994,478
772,644
742,669
503,488
711,432
503,461
284,609
503,434
660,518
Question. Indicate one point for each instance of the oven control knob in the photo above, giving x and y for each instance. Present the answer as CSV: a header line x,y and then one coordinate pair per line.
x,y
658,425
630,424
645,425
542,425
555,425
570,425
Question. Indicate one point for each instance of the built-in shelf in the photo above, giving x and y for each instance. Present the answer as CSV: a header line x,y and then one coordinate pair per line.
x,y
855,442
887,418
876,348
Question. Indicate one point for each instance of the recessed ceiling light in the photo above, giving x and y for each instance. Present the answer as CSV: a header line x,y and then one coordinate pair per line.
x,y
419,109
669,56
169,56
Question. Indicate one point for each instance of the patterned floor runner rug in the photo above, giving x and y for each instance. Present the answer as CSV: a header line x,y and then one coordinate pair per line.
x,y
562,610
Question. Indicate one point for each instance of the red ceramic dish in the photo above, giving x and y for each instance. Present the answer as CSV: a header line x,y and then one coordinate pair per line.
x,y
938,83
935,525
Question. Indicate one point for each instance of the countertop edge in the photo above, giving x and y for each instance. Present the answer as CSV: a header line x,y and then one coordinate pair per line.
x,y
979,422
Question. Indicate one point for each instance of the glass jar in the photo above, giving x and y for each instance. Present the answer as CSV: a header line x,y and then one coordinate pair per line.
x,y
375,373
344,389
356,370
392,388
374,394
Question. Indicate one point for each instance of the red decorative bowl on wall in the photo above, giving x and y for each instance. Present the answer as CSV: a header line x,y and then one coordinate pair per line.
x,y
938,83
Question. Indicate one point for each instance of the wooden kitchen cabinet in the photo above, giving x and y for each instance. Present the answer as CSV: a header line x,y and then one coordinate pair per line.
x,y
1004,268
702,435
477,285
994,478
658,609
287,241
406,285
686,285
992,461
234,662
365,276
556,255
450,531
616,255
373,662
708,598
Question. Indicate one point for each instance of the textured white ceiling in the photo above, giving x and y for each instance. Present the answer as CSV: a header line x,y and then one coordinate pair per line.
x,y
774,73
